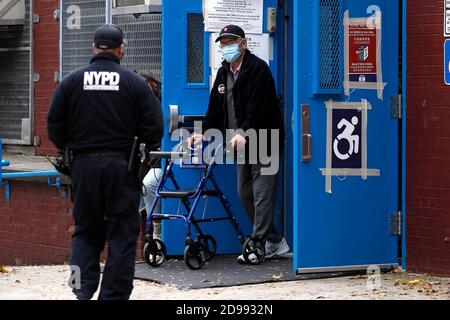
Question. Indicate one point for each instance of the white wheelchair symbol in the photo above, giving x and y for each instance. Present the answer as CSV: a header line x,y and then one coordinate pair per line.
x,y
347,134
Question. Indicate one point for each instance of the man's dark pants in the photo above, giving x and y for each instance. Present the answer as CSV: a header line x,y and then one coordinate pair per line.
x,y
258,195
106,199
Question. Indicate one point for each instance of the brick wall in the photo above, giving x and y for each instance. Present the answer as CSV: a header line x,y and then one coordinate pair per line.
x,y
46,62
428,141
36,226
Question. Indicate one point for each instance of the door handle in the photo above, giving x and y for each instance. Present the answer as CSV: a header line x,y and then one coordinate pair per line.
x,y
307,147
306,134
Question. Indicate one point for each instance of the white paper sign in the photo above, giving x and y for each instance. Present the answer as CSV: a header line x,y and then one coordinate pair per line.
x,y
248,14
447,18
258,44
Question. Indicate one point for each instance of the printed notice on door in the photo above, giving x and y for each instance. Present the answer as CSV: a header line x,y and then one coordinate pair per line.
x,y
363,53
447,18
248,14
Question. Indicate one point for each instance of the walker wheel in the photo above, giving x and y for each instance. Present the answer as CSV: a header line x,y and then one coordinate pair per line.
x,y
253,251
195,255
210,243
155,252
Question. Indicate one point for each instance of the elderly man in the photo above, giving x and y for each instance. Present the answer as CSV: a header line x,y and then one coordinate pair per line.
x,y
244,98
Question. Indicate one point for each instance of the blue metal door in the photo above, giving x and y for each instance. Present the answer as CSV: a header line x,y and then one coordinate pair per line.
x,y
346,157
186,80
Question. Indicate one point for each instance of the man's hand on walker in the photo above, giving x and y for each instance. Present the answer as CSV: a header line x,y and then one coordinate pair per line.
x,y
238,141
195,139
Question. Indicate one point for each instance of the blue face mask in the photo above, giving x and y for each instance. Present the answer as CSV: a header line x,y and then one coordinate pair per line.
x,y
231,52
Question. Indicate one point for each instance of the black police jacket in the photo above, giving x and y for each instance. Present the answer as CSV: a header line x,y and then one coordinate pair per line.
x,y
255,98
103,106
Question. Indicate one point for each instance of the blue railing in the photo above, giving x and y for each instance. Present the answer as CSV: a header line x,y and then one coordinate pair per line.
x,y
6,177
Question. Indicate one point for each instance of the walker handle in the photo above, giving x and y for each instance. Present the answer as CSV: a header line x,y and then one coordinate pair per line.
x,y
167,154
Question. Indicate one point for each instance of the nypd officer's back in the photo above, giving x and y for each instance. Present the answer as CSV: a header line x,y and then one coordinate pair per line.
x,y
97,111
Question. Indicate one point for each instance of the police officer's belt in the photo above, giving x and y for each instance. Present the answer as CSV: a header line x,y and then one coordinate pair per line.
x,y
105,153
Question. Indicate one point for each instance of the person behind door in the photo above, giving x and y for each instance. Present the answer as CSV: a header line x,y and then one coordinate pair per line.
x,y
244,97
96,111
154,175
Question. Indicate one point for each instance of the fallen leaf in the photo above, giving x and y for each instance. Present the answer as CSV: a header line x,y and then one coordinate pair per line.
x,y
3,269
426,287
411,282
17,281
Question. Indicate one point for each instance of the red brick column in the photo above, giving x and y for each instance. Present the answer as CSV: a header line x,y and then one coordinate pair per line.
x,y
46,62
428,141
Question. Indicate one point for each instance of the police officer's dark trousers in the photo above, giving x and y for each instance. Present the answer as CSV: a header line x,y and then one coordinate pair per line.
x,y
106,199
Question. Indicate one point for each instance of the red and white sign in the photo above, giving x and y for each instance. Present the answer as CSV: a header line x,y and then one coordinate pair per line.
x,y
362,53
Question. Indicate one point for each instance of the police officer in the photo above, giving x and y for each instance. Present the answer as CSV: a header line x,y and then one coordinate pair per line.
x,y
96,112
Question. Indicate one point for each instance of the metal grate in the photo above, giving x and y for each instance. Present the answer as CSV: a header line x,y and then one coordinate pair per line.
x,y
15,78
330,45
144,36
77,38
195,48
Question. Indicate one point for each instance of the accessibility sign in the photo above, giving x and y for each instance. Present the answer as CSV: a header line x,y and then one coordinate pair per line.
x,y
346,138
447,62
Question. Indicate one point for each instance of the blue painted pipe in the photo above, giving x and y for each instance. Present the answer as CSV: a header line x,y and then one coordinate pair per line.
x,y
11,175
5,163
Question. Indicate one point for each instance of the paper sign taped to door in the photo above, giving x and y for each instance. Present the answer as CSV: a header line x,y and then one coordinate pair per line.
x,y
248,14
362,52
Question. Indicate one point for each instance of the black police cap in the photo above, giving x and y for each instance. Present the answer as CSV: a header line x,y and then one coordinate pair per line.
x,y
108,36
231,31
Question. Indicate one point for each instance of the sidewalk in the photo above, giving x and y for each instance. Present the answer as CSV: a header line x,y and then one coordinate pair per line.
x,y
49,282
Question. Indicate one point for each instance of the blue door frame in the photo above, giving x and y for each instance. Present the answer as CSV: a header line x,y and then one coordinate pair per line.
x,y
182,41
177,91
403,150
342,240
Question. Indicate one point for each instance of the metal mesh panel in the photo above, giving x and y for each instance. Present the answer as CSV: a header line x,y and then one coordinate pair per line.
x,y
144,48
14,77
77,40
143,34
195,48
330,45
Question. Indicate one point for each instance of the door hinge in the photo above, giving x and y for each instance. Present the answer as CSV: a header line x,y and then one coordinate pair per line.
x,y
395,223
396,107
